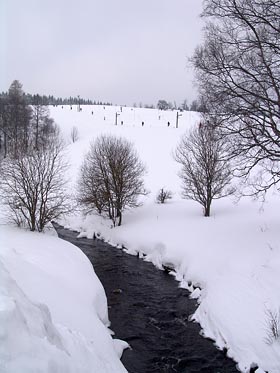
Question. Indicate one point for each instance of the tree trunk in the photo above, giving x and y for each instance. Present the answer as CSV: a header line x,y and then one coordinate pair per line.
x,y
37,130
32,222
5,145
207,209
120,218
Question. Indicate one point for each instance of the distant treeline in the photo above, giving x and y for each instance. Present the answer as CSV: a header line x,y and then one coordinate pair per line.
x,y
25,124
51,100
195,105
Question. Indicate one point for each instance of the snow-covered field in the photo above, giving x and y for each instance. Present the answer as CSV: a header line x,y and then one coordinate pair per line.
x,y
233,256
53,310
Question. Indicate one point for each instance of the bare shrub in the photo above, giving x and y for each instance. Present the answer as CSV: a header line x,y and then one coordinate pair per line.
x,y
111,177
205,175
273,326
163,195
33,186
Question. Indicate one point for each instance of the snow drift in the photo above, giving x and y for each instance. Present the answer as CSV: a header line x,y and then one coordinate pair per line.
x,y
53,309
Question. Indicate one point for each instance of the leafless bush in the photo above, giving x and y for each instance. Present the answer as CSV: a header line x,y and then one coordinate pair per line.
x,y
111,177
74,134
273,326
33,187
163,195
205,175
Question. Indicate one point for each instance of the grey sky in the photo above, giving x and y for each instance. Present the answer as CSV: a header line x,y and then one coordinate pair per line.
x,y
123,51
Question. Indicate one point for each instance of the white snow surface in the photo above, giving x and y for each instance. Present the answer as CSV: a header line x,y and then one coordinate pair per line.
x,y
53,308
233,256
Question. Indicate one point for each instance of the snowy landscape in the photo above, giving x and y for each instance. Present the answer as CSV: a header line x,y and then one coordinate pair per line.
x,y
228,261
233,256
139,164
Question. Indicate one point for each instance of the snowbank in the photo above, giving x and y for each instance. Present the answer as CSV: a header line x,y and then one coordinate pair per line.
x,y
233,256
53,309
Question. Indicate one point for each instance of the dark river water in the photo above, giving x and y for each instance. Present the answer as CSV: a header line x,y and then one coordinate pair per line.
x,y
149,311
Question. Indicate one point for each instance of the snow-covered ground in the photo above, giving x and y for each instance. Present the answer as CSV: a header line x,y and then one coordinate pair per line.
x,y
53,308
233,256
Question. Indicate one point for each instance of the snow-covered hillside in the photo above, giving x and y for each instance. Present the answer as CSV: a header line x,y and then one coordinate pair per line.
x,y
233,256
154,140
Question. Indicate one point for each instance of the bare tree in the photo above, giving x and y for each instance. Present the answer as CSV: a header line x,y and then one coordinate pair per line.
x,y
163,195
74,134
33,186
205,175
111,177
238,71
162,105
40,117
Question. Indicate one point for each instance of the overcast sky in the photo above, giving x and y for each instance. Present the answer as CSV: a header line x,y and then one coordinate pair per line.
x,y
122,51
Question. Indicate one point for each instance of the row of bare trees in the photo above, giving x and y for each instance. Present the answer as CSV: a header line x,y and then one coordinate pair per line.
x,y
32,169
111,178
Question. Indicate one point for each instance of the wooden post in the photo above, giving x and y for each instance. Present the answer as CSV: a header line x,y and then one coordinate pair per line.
x,y
177,118
116,120
79,108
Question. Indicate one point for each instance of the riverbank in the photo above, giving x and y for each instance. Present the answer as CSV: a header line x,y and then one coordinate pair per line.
x,y
53,309
233,257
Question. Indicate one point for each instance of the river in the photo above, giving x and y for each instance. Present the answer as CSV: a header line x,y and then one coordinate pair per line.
x,y
149,311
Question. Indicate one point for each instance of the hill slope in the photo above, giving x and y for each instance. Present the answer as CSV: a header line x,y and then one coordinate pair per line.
x,y
233,256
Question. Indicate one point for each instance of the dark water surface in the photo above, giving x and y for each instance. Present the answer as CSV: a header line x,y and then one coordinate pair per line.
x,y
149,311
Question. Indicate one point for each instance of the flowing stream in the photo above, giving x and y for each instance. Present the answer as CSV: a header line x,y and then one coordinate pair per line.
x,y
149,311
